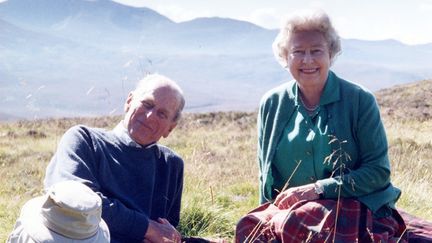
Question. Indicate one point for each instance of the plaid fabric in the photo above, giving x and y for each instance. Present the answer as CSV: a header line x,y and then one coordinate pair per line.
x,y
418,230
317,221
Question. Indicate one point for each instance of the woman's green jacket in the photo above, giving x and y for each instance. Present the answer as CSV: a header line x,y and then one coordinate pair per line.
x,y
353,117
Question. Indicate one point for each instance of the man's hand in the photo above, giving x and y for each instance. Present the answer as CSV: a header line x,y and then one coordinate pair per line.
x,y
287,198
161,231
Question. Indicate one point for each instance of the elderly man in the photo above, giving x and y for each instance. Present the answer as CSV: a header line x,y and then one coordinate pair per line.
x,y
140,182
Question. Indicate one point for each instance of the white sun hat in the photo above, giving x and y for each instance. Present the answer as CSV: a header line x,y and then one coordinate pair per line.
x,y
69,212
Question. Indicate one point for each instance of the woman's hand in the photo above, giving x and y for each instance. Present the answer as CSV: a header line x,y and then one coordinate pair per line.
x,y
287,198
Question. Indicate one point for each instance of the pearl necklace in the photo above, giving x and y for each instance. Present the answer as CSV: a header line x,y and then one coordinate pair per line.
x,y
308,108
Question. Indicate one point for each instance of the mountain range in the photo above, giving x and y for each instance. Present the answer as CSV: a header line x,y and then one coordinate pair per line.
x,y
81,57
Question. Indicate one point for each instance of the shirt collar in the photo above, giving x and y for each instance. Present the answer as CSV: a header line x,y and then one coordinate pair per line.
x,y
121,132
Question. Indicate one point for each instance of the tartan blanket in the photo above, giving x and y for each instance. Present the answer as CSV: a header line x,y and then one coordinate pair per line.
x,y
319,221
418,230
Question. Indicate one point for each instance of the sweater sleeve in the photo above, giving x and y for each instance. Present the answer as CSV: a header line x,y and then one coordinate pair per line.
x,y
372,172
174,211
75,159
260,155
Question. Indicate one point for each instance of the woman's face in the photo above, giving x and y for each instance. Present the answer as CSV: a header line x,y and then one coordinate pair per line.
x,y
309,58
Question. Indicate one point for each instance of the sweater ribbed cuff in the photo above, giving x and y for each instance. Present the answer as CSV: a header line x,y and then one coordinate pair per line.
x,y
139,226
330,186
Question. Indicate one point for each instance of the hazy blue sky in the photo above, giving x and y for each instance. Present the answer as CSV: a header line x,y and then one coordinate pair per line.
x,y
409,21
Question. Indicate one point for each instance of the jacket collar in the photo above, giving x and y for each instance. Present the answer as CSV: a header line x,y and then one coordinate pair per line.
x,y
330,94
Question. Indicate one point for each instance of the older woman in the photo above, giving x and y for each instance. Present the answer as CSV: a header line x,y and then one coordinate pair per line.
x,y
322,149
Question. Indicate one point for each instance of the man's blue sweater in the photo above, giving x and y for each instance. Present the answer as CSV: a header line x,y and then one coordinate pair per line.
x,y
135,183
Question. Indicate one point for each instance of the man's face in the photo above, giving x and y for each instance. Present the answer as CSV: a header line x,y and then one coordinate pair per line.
x,y
150,115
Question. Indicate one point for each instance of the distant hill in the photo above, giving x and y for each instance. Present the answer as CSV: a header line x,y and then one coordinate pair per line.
x,y
79,57
407,101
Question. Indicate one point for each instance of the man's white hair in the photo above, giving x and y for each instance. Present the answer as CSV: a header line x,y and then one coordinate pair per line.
x,y
152,81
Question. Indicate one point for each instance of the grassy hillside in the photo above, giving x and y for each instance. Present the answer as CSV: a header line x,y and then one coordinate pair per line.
x,y
407,102
219,151
407,116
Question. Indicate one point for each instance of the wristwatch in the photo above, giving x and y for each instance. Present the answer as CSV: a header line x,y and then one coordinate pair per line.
x,y
319,189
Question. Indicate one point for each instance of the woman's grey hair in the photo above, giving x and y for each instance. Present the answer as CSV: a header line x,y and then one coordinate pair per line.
x,y
310,20
152,81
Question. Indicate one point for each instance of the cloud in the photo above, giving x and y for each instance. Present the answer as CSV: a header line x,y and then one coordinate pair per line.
x,y
265,17
179,14
316,4
425,7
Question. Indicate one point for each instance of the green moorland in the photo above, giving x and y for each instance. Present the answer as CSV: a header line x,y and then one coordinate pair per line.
x,y
220,164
